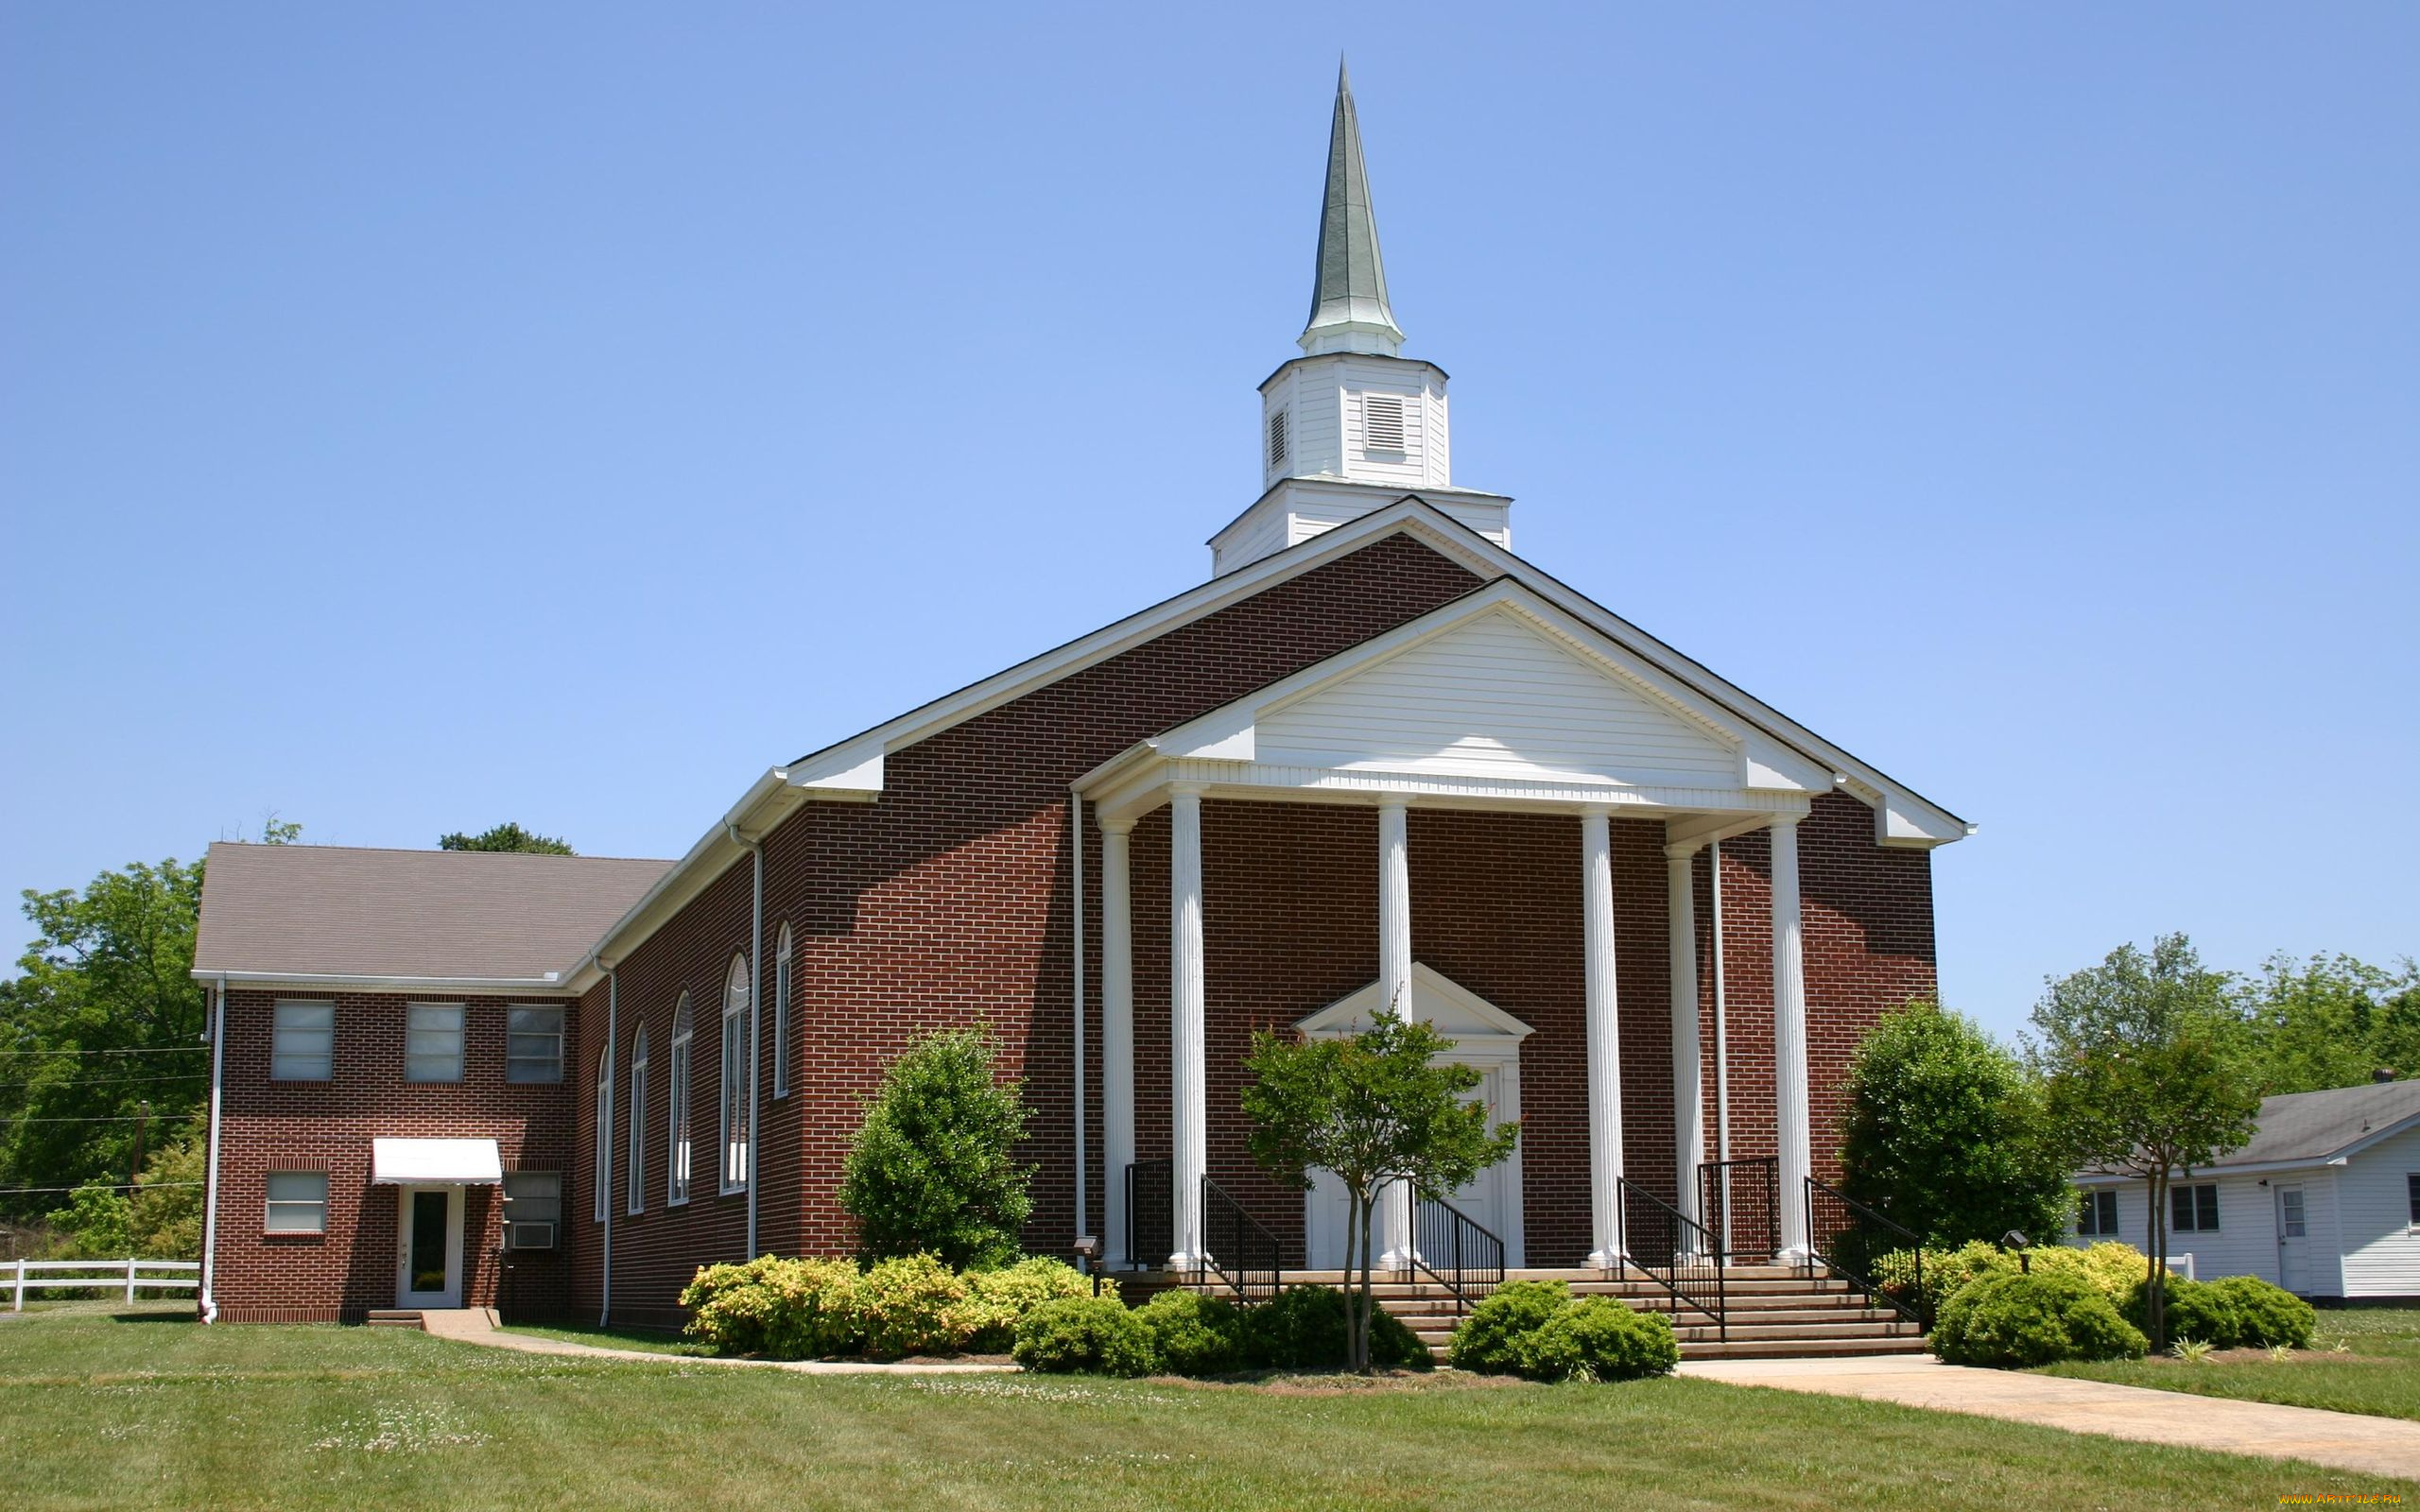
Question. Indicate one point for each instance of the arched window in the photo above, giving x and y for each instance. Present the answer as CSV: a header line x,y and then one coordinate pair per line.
x,y
734,1075
683,1025
637,1196
604,1130
782,1015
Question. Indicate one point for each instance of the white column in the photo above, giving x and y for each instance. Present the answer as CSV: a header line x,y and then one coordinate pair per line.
x,y
1689,1075
1394,995
1117,1037
1188,1095
1791,1138
1604,1039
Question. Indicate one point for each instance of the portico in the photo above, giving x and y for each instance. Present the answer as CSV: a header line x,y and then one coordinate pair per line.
x,y
1499,703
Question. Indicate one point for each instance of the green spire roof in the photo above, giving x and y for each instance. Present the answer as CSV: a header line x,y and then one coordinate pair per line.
x,y
1349,298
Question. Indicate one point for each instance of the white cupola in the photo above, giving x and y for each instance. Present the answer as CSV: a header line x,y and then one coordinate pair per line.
x,y
1351,425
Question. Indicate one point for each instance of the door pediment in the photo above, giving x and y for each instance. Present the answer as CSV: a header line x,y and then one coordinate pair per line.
x,y
1475,1024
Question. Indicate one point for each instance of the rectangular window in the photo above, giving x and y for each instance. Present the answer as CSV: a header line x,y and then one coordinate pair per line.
x,y
604,1173
735,1102
2412,1190
676,1185
303,1047
636,1200
2194,1209
533,1207
2097,1215
297,1202
781,1024
1382,422
433,1041
533,1046
2289,1213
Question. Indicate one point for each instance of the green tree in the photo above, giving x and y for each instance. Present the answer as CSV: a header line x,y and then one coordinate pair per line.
x,y
507,836
2331,1022
2146,1067
933,1169
1371,1108
1943,1132
102,1016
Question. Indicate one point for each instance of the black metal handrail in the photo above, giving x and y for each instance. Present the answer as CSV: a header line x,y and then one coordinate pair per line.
x,y
1740,1203
1671,1249
1459,1254
1236,1247
1150,1212
1849,1237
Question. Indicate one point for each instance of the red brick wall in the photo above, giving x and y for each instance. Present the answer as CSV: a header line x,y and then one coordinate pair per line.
x,y
291,1126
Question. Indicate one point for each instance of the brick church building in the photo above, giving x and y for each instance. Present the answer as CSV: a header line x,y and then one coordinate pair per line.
x,y
1376,759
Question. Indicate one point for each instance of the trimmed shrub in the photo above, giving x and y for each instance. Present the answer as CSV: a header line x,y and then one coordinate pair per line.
x,y
2030,1320
1098,1335
1302,1328
1599,1338
2267,1315
914,1305
2195,1310
1489,1340
996,1299
2108,1267
782,1309
1192,1334
933,1168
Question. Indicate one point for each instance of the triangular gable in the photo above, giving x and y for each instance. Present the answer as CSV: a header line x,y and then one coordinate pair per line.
x,y
1453,1009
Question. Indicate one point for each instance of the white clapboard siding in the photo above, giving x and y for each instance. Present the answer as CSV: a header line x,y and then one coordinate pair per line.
x,y
2382,1247
1494,698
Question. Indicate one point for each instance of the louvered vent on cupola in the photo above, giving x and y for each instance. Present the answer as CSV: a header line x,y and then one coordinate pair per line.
x,y
1277,438
1382,422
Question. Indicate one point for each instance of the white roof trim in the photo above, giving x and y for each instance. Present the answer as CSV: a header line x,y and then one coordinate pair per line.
x,y
435,1163
335,981
1348,1013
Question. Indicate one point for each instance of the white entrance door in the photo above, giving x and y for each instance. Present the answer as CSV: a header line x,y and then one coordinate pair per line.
x,y
429,1251
2293,1240
1491,1200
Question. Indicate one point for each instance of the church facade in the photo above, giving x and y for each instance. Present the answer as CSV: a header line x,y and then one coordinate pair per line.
x,y
1375,761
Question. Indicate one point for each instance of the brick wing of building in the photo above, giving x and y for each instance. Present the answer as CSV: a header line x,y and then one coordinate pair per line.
x,y
1377,760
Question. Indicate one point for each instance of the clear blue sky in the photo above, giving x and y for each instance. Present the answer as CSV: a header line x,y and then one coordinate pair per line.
x,y
418,417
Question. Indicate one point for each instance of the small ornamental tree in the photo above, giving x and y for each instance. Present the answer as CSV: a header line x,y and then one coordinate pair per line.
x,y
2147,1071
933,1169
1371,1108
1943,1132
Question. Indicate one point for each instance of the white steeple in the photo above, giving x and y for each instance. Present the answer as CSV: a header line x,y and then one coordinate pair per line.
x,y
1351,425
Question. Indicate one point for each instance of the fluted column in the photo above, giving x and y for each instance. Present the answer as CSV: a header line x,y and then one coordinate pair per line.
x,y
1689,1076
1791,1138
1394,996
1604,1039
1188,1093
1116,1037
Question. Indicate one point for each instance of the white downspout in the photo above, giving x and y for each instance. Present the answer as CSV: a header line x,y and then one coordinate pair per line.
x,y
1075,976
1721,1053
611,1110
210,1190
756,959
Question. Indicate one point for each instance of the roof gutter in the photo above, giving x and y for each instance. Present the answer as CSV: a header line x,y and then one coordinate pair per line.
x,y
775,782
210,1179
551,981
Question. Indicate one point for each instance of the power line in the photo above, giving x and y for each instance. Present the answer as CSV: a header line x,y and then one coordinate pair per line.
x,y
107,1081
154,1049
114,1186
111,1118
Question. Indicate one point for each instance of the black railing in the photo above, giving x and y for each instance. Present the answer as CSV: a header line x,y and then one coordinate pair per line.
x,y
1663,1243
1236,1248
1458,1254
1150,1212
1739,1202
1881,1257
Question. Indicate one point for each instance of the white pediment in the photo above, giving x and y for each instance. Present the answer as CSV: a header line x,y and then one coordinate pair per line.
x,y
1449,1008
1499,694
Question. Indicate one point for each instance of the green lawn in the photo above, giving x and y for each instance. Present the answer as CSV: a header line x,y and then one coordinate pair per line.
x,y
650,1341
2367,1360
114,1412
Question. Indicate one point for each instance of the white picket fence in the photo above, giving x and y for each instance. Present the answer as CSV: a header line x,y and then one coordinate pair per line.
x,y
41,1275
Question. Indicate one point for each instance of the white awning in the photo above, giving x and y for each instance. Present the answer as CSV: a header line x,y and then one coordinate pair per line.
x,y
436,1162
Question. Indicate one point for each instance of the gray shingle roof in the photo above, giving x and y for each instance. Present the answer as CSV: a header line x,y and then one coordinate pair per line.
x,y
2315,1126
459,915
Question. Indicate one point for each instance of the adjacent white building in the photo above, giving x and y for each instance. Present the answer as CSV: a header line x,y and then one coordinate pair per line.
x,y
2324,1199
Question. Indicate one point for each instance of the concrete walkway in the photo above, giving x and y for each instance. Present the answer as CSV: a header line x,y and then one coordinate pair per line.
x,y
2351,1442
477,1325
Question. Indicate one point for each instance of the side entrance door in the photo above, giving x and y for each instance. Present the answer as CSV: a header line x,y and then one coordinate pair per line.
x,y
428,1259
2294,1241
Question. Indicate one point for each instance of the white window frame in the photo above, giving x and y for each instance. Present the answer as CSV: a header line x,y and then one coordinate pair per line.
x,y
285,1036
424,1025
516,1041
2293,1214
604,1183
733,1105
637,1199
2412,1191
2196,1188
676,1176
782,983
534,1207
2100,1203
272,1203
